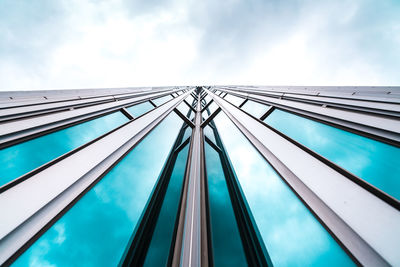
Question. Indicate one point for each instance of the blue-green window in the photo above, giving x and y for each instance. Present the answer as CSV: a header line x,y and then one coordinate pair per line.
x,y
161,241
97,229
226,242
208,131
235,100
27,156
254,108
291,234
140,109
161,100
375,162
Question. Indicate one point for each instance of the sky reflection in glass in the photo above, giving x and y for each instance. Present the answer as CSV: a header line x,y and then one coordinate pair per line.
x,y
235,100
187,133
158,252
210,110
162,100
183,108
373,161
140,109
27,156
254,108
96,230
291,234
208,131
226,242
189,99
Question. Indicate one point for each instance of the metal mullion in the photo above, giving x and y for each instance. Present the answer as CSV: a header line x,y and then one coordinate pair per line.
x,y
244,102
206,106
29,114
184,118
184,143
210,118
266,114
361,182
351,241
357,105
190,250
321,93
211,143
152,103
55,122
136,250
369,109
31,173
190,106
77,102
357,127
105,153
127,113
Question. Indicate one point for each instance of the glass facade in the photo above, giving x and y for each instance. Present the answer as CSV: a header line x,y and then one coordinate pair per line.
x,y
168,190
27,156
373,161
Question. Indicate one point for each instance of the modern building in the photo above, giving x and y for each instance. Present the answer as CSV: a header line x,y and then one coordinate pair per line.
x,y
200,176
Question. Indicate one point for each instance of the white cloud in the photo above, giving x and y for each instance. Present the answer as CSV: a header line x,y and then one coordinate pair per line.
x,y
118,43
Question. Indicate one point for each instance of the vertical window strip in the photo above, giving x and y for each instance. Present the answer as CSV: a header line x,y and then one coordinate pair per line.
x,y
281,218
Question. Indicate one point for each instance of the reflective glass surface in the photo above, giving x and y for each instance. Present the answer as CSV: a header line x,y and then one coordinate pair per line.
x,y
208,131
189,99
140,109
207,99
291,234
96,230
27,156
210,110
183,108
254,108
160,245
226,242
162,100
373,161
187,134
235,100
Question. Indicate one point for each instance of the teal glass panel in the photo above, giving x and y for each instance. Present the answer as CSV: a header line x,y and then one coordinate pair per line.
x,y
226,242
160,245
97,229
187,133
27,156
235,100
162,100
210,110
291,234
375,162
140,109
209,133
254,108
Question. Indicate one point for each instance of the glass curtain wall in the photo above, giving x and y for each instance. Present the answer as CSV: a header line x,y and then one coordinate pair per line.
x,y
130,216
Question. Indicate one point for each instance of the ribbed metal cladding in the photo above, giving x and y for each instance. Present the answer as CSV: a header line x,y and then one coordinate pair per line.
x,y
363,219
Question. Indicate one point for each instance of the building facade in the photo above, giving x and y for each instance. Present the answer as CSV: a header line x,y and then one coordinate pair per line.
x,y
200,176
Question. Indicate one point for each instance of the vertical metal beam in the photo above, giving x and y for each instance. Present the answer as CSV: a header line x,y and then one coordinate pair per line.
x,y
192,250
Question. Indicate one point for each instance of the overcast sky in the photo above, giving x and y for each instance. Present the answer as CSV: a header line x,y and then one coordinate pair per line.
x,y
48,44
